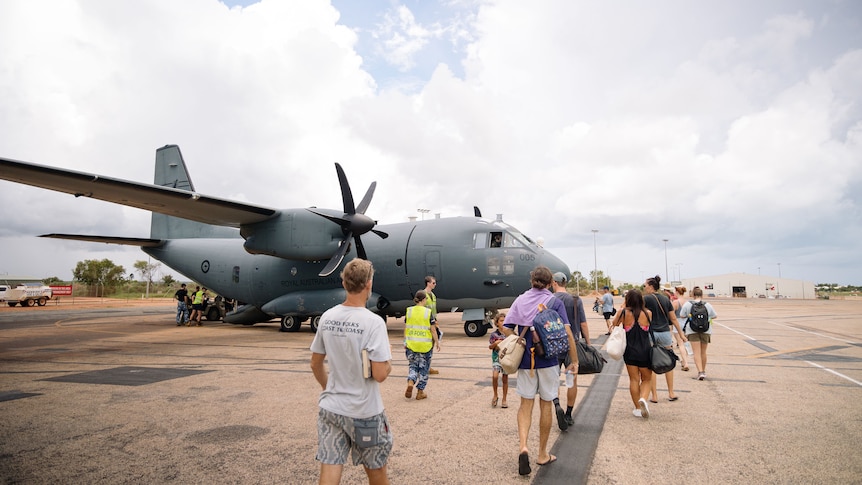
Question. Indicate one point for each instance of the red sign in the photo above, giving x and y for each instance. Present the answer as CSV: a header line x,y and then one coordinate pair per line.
x,y
65,290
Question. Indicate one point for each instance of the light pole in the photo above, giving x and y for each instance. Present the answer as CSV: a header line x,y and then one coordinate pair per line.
x,y
595,262
665,260
679,272
423,212
777,293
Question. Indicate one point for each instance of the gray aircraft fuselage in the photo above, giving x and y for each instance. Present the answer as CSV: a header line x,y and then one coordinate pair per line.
x,y
471,275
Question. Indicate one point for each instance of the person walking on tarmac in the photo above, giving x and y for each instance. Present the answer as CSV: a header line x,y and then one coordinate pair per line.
x,y
699,340
431,302
607,307
578,321
420,341
663,318
182,309
351,418
537,375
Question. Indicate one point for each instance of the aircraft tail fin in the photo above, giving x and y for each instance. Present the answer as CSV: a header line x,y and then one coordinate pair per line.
x,y
171,172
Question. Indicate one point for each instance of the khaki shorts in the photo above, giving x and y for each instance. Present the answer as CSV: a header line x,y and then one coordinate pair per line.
x,y
699,337
545,382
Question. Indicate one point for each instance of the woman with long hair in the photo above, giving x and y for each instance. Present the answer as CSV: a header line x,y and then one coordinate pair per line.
x,y
635,319
678,301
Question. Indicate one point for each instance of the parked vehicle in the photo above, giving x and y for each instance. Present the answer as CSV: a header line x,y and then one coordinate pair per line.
x,y
26,294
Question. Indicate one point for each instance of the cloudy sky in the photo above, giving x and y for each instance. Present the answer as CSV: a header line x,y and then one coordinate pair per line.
x,y
732,129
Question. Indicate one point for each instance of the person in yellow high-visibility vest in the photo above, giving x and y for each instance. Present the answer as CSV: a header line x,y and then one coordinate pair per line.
x,y
420,341
431,302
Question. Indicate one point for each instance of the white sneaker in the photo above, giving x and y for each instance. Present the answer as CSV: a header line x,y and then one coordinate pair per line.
x,y
636,412
644,409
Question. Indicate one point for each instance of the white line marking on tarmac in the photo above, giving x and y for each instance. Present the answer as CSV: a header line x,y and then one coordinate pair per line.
x,y
736,331
814,333
854,381
806,361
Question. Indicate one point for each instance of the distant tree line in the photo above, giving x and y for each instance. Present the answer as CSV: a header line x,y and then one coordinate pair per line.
x,y
98,278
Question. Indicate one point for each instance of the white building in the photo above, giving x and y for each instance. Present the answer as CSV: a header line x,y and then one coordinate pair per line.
x,y
743,285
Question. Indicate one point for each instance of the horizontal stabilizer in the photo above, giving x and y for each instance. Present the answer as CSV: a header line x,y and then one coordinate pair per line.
x,y
128,241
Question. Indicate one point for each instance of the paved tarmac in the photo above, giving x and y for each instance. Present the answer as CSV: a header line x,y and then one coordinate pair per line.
x,y
116,393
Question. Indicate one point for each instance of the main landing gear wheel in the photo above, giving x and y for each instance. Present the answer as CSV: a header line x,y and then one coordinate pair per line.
x,y
290,323
213,314
475,328
315,321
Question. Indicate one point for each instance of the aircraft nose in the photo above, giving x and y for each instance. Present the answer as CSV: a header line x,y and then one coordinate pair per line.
x,y
555,264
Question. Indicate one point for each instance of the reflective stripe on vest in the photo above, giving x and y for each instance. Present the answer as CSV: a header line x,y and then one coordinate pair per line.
x,y
417,329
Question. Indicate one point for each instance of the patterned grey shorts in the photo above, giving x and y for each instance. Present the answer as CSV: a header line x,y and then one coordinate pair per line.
x,y
336,435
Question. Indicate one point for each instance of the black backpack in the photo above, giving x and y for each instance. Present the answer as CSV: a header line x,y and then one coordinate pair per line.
x,y
698,317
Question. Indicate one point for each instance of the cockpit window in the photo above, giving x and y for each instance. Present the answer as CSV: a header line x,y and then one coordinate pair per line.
x,y
510,241
499,239
480,240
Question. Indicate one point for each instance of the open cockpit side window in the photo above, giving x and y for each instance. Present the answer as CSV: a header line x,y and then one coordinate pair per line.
x,y
496,239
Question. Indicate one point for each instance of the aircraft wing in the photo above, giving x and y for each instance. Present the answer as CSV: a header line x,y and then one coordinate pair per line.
x,y
128,241
155,198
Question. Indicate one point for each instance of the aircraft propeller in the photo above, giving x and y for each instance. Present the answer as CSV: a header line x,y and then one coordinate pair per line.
x,y
353,223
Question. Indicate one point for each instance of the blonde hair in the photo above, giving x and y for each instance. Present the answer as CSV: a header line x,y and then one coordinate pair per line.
x,y
356,274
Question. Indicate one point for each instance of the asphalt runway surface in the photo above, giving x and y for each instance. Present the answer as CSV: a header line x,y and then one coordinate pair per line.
x,y
114,392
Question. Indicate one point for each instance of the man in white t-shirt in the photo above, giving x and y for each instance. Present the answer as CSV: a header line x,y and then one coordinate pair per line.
x,y
351,416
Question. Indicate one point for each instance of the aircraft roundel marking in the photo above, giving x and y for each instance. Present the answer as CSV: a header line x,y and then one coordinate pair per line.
x,y
205,266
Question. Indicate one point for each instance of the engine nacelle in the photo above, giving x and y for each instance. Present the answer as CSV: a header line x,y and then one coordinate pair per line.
x,y
293,234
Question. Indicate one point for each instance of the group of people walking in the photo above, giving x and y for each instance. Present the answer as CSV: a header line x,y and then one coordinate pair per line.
x,y
654,316
354,342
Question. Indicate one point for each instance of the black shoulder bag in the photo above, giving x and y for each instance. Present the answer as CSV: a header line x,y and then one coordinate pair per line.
x,y
661,359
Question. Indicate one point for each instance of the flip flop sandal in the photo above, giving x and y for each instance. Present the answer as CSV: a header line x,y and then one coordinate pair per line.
x,y
553,459
524,464
504,405
494,402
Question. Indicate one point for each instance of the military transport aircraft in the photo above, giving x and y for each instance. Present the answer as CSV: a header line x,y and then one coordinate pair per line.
x,y
282,263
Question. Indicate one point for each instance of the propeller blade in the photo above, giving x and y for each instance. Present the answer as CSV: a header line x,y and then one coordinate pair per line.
x,y
336,259
353,223
346,194
360,249
363,205
338,220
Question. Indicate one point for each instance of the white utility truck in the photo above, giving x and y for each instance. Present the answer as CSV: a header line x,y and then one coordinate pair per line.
x,y
25,294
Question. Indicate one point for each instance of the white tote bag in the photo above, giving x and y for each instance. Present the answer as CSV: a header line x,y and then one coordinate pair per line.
x,y
616,344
